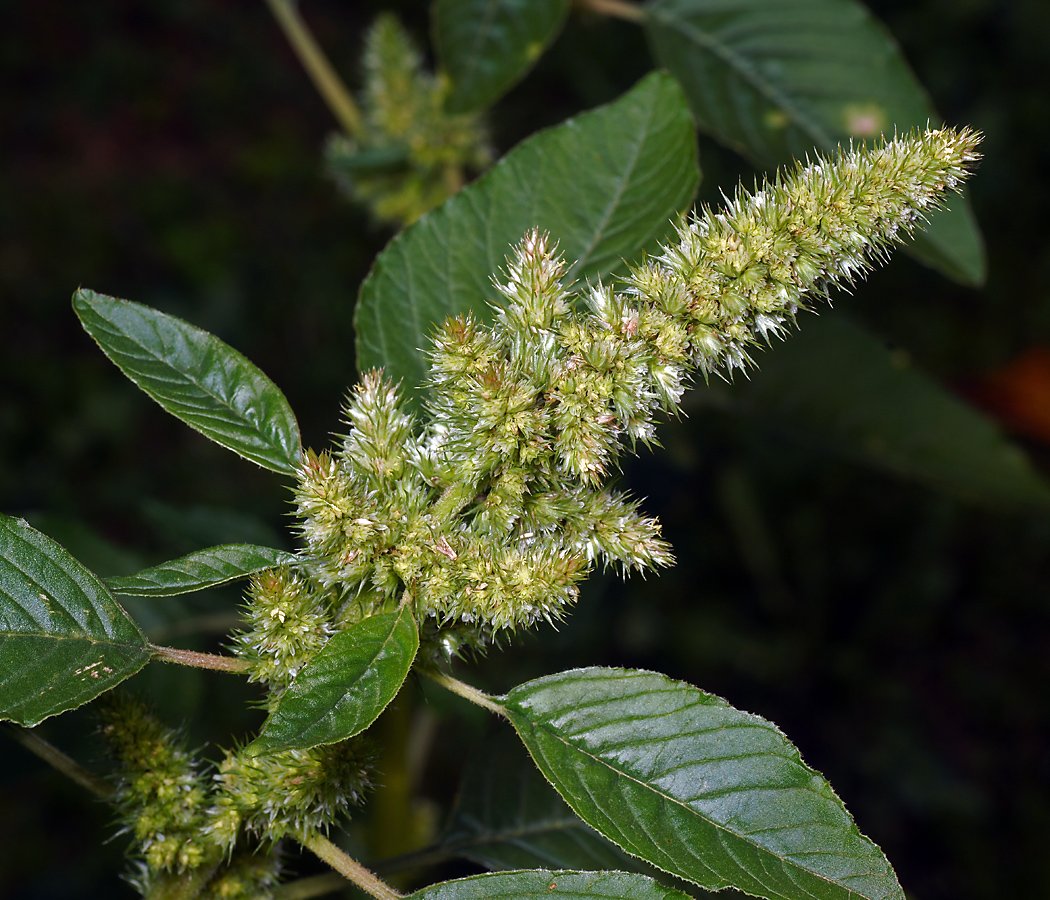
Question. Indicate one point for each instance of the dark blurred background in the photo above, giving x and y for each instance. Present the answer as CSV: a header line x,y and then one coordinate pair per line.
x,y
169,153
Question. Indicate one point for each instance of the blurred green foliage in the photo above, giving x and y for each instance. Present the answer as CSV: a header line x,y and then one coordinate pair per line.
x,y
171,153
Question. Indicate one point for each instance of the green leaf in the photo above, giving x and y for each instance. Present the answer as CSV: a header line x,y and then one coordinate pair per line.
x,y
539,883
774,79
200,570
487,46
63,638
700,789
342,690
196,377
506,816
603,184
838,385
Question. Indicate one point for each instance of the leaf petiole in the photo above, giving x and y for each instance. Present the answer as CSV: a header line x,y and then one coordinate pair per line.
x,y
478,698
348,867
199,660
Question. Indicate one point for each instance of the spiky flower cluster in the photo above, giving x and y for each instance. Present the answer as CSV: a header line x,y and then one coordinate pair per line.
x,y
493,510
414,153
162,796
736,277
221,832
293,792
287,623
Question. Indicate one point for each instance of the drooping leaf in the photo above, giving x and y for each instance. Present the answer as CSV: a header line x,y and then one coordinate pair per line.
x,y
196,377
507,816
200,570
836,384
773,80
556,885
702,790
487,46
345,687
63,638
604,185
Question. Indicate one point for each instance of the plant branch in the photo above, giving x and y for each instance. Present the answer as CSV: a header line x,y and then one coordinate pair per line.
x,y
617,9
348,867
58,760
465,691
199,660
329,85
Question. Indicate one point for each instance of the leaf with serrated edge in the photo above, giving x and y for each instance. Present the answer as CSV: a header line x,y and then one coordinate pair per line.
x,y
343,689
702,790
199,570
550,885
773,80
603,184
63,638
487,46
196,377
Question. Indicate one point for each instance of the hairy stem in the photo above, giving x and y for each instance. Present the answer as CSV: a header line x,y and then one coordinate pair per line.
x,y
465,691
348,867
58,760
329,85
200,660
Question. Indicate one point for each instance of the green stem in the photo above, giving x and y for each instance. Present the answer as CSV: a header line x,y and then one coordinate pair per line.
x,y
329,85
58,760
617,9
199,660
349,868
465,691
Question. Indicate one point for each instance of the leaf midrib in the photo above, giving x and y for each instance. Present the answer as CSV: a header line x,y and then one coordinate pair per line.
x,y
265,438
739,64
685,806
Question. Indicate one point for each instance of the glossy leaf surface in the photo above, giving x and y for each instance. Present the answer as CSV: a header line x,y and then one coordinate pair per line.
x,y
702,790
63,638
200,570
556,885
775,80
345,687
196,377
604,185
487,46
836,384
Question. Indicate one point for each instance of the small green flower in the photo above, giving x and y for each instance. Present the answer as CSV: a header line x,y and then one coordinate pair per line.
x,y
414,153
289,793
161,795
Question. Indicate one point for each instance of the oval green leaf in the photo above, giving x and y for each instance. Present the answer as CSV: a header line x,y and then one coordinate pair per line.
x,y
487,46
702,790
200,570
549,885
345,687
774,79
63,638
196,377
604,185
880,410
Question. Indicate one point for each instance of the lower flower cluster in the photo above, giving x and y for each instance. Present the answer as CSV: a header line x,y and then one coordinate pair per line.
x,y
221,830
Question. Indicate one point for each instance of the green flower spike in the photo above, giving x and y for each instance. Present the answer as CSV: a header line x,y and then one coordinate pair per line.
x,y
496,510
